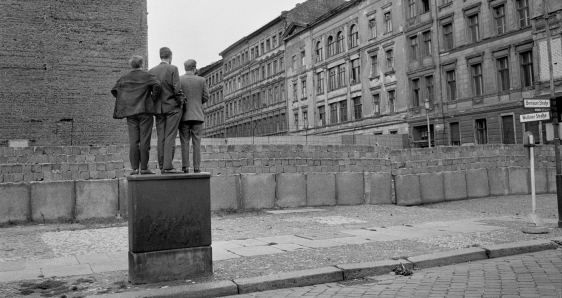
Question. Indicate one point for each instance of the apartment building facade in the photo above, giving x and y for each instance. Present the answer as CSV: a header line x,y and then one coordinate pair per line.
x,y
214,107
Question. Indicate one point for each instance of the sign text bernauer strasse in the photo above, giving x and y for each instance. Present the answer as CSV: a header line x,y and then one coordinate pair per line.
x,y
536,103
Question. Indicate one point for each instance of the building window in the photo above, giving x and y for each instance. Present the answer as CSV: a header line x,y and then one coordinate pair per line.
x,y
331,45
269,69
270,95
374,66
481,131
355,71
334,113
303,54
376,104
305,118
294,62
414,48
262,47
276,94
429,88
319,50
296,115
341,76
263,72
281,63
295,91
353,36
448,37
373,28
476,75
282,92
508,130
387,22
332,79
426,43
412,8
391,101
455,134
523,13
339,43
343,111
320,82
473,28
526,61
451,85
389,58
303,91
357,108
502,65
322,115
425,6
499,18
416,92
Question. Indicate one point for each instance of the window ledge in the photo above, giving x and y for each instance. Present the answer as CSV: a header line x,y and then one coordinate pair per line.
x,y
445,5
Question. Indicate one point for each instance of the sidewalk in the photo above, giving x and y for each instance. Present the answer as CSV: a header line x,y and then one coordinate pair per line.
x,y
248,246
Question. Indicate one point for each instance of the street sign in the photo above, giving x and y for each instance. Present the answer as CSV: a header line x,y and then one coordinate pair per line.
x,y
536,103
535,117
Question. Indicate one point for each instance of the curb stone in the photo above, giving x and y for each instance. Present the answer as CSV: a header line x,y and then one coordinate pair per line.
x,y
338,273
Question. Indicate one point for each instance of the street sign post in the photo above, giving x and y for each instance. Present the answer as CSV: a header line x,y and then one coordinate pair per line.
x,y
535,117
536,103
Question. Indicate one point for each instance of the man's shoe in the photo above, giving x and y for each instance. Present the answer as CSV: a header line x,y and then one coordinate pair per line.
x,y
146,172
171,171
185,170
196,170
134,172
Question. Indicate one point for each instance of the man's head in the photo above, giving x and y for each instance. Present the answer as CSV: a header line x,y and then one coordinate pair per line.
x,y
190,65
136,61
166,54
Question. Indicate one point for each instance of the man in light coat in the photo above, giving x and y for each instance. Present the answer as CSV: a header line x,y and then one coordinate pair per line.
x,y
191,125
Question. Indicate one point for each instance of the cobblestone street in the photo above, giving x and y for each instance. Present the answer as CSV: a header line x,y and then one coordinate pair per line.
x,y
527,275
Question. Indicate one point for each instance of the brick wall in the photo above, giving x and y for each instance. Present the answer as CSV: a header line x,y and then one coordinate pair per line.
x,y
59,60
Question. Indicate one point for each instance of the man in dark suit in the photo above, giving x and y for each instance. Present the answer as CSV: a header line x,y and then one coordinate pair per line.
x,y
134,95
191,125
168,108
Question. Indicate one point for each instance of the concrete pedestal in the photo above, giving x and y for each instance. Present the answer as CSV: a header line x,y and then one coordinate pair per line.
x,y
169,227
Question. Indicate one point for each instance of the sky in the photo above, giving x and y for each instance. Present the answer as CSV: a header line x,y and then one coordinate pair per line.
x,y
201,29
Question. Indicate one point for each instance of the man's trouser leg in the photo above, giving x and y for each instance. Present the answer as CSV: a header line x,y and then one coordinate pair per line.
x,y
196,132
160,134
134,138
146,122
185,133
172,122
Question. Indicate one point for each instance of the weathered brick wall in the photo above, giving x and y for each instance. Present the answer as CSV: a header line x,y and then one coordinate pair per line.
x,y
58,61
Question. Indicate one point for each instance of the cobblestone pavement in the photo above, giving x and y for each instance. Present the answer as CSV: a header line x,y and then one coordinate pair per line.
x,y
528,275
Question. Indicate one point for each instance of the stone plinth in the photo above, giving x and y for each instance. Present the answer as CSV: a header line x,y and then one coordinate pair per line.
x,y
169,227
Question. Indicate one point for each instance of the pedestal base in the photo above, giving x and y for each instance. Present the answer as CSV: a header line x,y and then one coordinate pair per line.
x,y
166,265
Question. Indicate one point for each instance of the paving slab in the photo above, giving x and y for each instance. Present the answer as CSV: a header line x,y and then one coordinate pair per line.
x,y
225,244
46,263
71,270
204,290
280,239
110,266
19,275
223,254
351,240
250,251
93,258
289,247
411,232
515,248
352,271
317,243
449,257
249,242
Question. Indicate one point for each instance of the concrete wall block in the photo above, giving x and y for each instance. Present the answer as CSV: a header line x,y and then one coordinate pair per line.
x,y
96,199
258,191
123,185
320,189
291,190
350,189
455,185
541,181
378,188
225,192
498,181
54,200
477,183
431,185
519,181
14,202
551,177
408,192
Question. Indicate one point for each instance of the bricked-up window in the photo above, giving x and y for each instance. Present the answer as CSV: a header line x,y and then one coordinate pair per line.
x,y
476,78
322,115
448,37
389,55
331,45
341,76
387,22
412,8
426,43
295,97
416,92
508,130
425,6
357,108
502,65
282,92
481,132
372,28
296,115
343,111
523,13
526,62
429,88
374,66
376,104
294,62
334,113
355,71
332,80
414,47
455,134
499,19
339,43
320,82
391,101
451,84
473,28
303,89
353,36
319,50
305,118
274,41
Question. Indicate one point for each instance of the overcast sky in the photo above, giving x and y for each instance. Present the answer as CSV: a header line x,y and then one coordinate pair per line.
x,y
201,29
